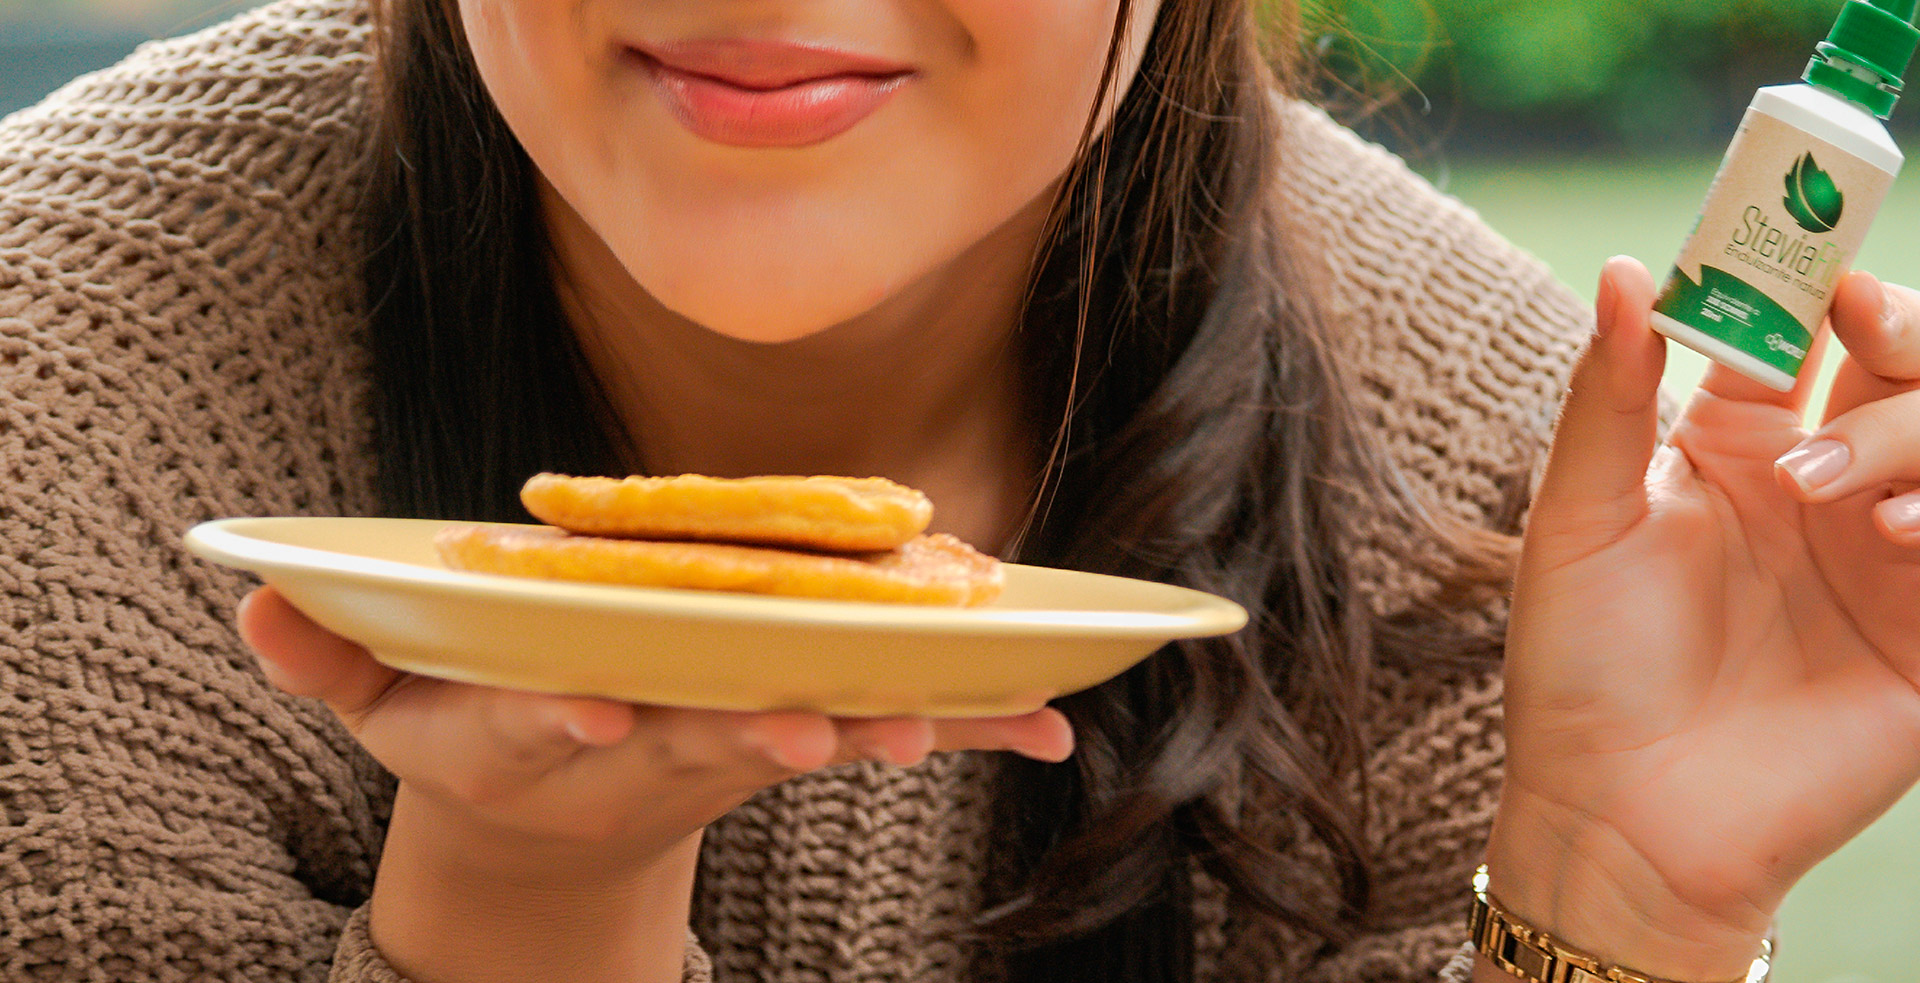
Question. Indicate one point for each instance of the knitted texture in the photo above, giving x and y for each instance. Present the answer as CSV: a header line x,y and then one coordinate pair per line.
x,y
182,338
1458,343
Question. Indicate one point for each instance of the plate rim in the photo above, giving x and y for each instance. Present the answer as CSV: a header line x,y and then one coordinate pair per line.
x,y
223,541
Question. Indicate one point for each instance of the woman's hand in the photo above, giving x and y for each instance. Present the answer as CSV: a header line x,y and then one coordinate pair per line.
x,y
546,837
1713,672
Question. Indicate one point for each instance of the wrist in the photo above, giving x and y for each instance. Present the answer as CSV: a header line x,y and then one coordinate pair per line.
x,y
1583,885
456,901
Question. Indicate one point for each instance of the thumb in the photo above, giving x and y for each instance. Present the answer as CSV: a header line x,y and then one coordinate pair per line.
x,y
305,659
1594,489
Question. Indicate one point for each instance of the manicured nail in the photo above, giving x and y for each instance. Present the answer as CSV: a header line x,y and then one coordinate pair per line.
x,y
1903,514
1815,465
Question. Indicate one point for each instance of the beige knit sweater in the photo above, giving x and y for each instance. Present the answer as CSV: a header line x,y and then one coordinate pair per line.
x,y
181,339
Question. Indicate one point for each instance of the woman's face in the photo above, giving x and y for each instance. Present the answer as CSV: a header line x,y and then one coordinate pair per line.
x,y
771,168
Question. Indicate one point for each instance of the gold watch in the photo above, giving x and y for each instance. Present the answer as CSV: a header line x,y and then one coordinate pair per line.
x,y
1534,956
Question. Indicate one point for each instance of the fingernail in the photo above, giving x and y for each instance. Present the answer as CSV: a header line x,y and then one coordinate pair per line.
x,y
577,731
1817,464
1903,514
1604,299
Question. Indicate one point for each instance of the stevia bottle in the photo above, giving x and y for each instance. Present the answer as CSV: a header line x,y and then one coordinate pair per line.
x,y
1792,201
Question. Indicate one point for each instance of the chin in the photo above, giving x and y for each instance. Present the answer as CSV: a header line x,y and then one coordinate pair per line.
x,y
760,324
774,307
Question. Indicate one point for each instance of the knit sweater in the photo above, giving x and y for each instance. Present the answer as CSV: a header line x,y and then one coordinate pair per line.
x,y
182,338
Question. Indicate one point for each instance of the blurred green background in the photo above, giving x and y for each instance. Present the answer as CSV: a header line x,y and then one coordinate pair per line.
x,y
1580,128
1645,73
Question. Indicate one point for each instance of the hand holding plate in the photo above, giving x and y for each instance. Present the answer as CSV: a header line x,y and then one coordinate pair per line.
x,y
523,798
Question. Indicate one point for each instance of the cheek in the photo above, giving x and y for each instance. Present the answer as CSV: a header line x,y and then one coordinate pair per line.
x,y
536,61
1037,66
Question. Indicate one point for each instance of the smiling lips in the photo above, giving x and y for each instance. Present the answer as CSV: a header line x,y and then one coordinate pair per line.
x,y
768,93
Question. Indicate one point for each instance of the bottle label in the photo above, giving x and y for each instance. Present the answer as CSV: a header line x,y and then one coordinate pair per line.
x,y
1782,222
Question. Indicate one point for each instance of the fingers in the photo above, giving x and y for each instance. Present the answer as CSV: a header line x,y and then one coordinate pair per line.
x,y
562,723
1880,325
505,736
1898,519
797,742
801,742
305,659
893,740
530,730
1876,445
487,746
497,738
1595,483
1872,445
1871,439
1731,385
1043,735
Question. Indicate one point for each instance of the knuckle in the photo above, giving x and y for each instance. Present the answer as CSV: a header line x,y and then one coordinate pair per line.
x,y
1894,354
1882,427
1890,424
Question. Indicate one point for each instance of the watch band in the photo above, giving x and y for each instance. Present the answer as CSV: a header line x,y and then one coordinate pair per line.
x,y
1532,955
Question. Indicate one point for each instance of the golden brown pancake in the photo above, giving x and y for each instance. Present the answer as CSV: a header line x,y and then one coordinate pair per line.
x,y
841,515
937,569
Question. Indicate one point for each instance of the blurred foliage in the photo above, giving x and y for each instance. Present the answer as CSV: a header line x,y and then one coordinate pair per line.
x,y
1663,70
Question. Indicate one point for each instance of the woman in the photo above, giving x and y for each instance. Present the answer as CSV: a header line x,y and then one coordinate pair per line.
x,y
1071,267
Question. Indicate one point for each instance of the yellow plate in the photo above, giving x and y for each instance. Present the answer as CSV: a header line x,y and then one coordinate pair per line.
x,y
380,583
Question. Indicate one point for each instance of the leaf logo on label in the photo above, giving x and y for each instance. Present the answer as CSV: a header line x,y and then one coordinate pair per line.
x,y
1812,199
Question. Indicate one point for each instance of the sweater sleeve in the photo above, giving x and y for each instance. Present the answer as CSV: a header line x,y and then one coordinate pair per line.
x,y
357,961
1460,346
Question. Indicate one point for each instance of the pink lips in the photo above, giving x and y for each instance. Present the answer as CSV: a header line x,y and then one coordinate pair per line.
x,y
768,93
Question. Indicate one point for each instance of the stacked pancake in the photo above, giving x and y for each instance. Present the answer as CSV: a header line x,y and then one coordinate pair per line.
x,y
858,539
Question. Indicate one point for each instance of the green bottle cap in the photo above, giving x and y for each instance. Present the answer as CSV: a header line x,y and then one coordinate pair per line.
x,y
1865,56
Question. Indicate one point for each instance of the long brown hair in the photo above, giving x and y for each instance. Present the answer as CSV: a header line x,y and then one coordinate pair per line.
x,y
1206,439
